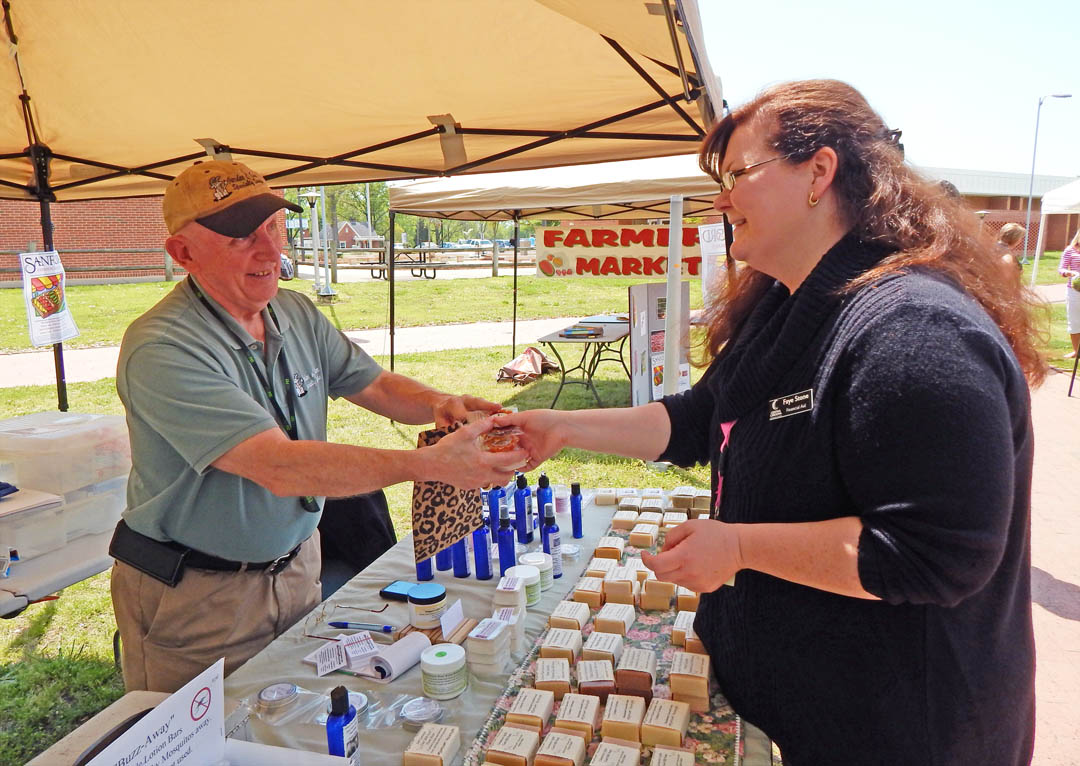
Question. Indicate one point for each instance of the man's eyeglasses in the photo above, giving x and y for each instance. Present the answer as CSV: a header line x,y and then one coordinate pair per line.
x,y
727,178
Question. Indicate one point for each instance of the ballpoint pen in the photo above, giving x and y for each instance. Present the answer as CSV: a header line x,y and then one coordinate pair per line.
x,y
363,626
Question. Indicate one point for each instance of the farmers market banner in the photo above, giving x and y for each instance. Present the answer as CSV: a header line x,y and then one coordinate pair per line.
x,y
46,302
612,251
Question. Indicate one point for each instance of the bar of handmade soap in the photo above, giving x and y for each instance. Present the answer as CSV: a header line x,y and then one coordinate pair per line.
x,y
596,677
673,519
609,548
590,591
616,753
509,592
643,535
553,675
636,672
695,645
652,518
622,717
624,520
668,756
532,708
614,618
635,564
629,503
622,492
652,492
701,500
579,712
561,749
513,746
434,745
604,497
687,600
656,595
665,723
599,567
689,675
603,646
572,615
682,497
683,627
621,586
561,642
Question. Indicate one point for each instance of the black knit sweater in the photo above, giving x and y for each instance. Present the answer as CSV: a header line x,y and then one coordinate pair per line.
x,y
920,426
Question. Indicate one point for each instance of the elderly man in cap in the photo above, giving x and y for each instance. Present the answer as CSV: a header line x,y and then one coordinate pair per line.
x,y
225,383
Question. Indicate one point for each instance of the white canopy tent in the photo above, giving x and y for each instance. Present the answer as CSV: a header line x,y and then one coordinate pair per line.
x,y
1063,200
634,189
114,99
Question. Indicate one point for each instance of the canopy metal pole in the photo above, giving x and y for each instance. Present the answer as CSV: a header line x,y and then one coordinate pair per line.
x,y
673,329
39,154
513,331
390,279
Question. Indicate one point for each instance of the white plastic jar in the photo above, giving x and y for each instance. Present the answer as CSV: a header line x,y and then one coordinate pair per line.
x,y
542,561
427,602
443,671
529,575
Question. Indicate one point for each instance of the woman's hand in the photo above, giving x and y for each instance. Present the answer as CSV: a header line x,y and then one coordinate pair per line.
x,y
544,433
701,555
458,460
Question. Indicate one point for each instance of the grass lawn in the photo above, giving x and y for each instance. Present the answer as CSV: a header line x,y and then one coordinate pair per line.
x,y
56,664
1048,264
102,312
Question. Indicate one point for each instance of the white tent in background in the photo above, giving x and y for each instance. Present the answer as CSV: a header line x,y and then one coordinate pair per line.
x,y
634,189
1063,200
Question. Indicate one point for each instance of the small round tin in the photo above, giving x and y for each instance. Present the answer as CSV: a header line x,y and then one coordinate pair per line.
x,y
420,710
277,696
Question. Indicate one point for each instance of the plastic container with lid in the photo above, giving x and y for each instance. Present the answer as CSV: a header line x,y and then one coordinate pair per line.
x,y
529,575
561,493
418,711
543,564
65,451
443,671
427,602
32,522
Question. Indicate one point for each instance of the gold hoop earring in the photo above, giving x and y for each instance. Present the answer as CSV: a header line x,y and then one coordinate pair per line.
x,y
813,202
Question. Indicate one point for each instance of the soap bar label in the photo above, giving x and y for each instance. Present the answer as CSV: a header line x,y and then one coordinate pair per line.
x,y
595,670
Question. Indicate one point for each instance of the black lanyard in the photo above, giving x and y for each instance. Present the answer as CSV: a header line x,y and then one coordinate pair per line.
x,y
286,420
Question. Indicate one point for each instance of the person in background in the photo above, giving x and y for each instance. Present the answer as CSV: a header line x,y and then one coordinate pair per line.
x,y
1009,238
867,421
226,383
1070,269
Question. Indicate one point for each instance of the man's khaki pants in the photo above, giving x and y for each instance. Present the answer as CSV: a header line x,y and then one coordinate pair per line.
x,y
170,635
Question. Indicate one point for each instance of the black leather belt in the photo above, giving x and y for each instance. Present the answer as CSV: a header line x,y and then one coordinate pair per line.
x,y
166,561
200,560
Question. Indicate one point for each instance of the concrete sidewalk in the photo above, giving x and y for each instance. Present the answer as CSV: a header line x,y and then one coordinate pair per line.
x,y
36,368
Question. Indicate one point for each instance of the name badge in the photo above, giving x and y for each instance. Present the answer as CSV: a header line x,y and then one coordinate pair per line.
x,y
792,404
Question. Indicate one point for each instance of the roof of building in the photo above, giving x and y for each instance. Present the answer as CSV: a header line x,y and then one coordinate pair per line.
x,y
989,183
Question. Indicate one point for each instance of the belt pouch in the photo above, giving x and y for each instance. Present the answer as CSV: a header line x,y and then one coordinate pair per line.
x,y
159,560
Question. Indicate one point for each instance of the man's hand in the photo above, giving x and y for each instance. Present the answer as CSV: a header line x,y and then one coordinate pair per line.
x,y
543,434
449,409
701,555
458,460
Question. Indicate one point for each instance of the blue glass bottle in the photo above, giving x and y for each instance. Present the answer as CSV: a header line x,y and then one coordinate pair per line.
x,y
506,541
481,541
342,733
552,540
523,510
423,570
460,553
575,510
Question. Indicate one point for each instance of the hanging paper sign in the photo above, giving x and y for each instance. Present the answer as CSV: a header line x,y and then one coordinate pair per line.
x,y
615,251
713,252
47,311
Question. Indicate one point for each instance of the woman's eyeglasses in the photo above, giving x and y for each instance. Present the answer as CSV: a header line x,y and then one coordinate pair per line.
x,y
727,178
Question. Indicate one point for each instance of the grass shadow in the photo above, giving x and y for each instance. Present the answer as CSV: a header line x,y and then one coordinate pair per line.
x,y
1058,596
28,638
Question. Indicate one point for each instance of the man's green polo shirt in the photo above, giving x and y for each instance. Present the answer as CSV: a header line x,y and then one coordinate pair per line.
x,y
192,395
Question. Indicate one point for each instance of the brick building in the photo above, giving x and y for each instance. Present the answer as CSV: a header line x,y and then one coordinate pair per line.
x,y
92,235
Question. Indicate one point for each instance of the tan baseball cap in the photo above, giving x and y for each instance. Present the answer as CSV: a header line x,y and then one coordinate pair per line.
x,y
224,196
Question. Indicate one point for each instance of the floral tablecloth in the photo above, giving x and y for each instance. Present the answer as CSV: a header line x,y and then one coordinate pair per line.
x,y
715,736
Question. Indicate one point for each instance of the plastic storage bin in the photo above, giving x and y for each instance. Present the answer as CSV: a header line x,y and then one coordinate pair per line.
x,y
32,522
97,510
61,452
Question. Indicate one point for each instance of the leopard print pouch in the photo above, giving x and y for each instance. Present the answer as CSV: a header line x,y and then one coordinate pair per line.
x,y
441,514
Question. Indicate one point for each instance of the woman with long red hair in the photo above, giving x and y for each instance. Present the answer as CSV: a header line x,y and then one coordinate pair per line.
x,y
866,415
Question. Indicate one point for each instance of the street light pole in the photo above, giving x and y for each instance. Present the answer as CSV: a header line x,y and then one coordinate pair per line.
x,y
312,197
1031,185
